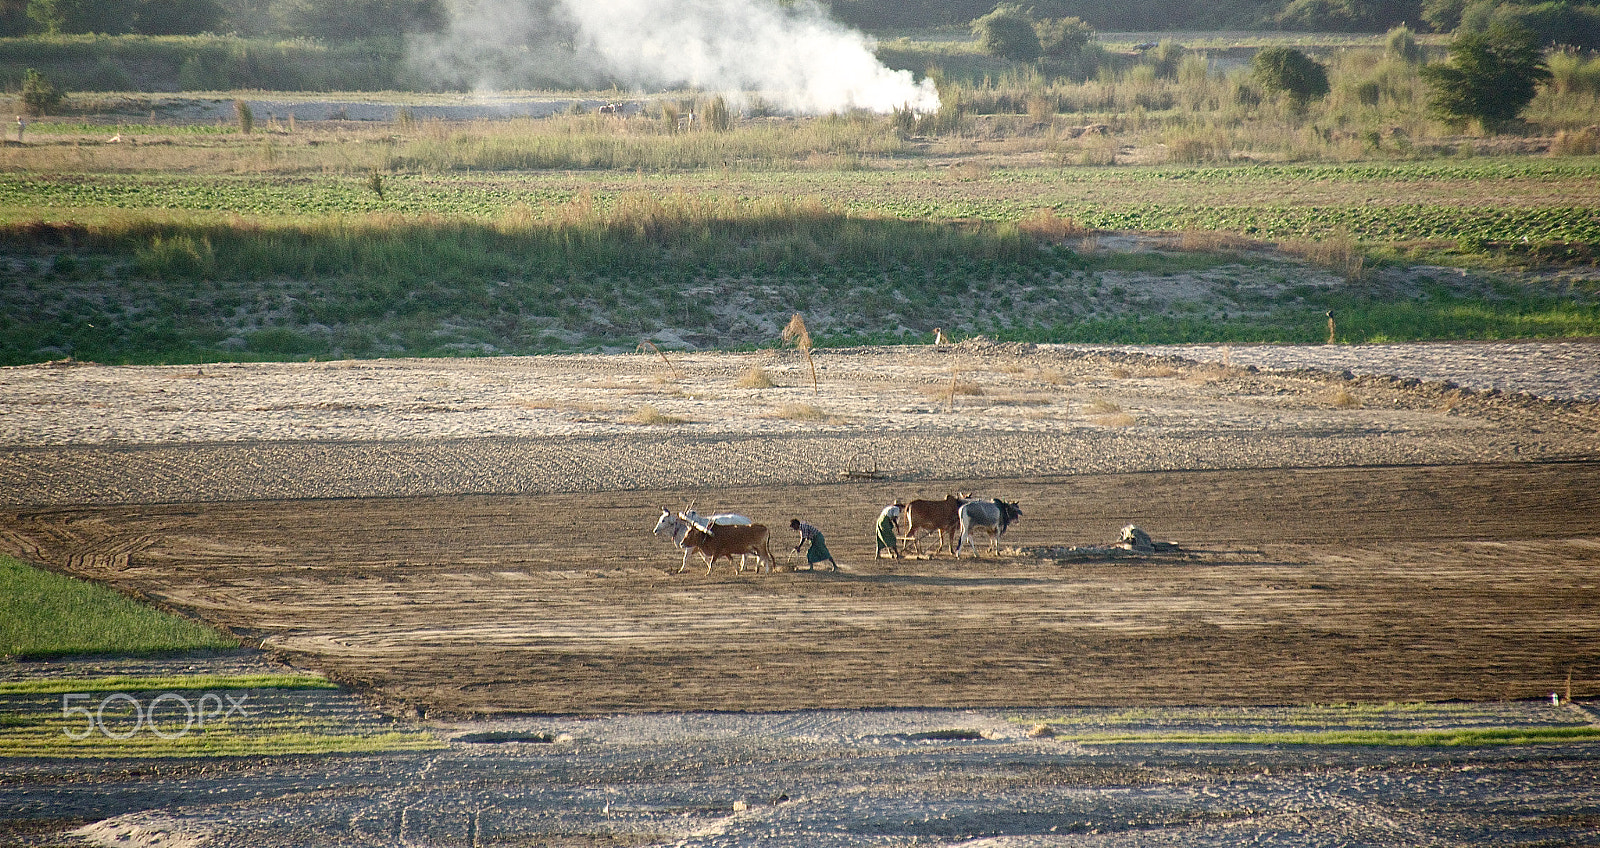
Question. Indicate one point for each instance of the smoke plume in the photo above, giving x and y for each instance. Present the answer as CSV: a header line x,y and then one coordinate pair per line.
x,y
794,58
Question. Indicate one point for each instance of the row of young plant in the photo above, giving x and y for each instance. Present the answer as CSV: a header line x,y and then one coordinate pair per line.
x,y
375,287
562,223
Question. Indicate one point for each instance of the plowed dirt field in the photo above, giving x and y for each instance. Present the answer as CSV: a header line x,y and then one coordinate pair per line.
x,y
1339,537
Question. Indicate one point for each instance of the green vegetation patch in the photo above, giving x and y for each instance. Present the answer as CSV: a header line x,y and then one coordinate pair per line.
x,y
165,683
1372,724
199,715
49,615
1385,738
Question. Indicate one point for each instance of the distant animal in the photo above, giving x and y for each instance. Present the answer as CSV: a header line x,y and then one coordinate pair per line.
x,y
611,109
925,516
993,517
716,541
939,338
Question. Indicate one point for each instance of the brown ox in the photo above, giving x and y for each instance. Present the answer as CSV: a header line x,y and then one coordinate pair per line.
x,y
728,540
944,516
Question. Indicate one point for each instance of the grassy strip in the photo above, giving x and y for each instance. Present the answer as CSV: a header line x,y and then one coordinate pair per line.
x,y
56,686
1381,738
203,62
49,615
50,741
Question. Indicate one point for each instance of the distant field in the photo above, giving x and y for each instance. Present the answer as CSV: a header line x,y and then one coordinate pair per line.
x,y
154,228
1541,200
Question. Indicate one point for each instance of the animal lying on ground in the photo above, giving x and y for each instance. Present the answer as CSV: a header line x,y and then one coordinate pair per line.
x,y
993,517
924,516
716,541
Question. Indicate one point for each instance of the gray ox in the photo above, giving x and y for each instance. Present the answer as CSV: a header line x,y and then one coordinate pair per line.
x,y
993,517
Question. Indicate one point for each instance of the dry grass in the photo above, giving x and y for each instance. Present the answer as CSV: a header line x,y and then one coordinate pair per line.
x,y
755,378
648,414
1120,419
971,171
807,412
1101,406
954,389
1051,376
1341,398
1340,253
800,412
1207,374
1584,142
1022,399
1046,225
1212,241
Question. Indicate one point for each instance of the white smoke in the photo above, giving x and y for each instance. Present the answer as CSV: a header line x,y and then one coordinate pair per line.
x,y
795,58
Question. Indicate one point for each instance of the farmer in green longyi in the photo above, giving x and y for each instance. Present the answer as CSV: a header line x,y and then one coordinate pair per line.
x,y
819,548
888,530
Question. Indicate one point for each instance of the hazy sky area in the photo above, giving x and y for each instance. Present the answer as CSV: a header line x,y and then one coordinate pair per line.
x,y
795,59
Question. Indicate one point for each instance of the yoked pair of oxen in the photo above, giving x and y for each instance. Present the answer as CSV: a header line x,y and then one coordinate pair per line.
x,y
730,534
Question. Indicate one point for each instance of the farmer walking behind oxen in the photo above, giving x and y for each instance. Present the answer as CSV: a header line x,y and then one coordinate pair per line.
x,y
889,530
819,547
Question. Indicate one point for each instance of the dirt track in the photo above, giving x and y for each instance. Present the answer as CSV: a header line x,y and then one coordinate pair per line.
x,y
1421,543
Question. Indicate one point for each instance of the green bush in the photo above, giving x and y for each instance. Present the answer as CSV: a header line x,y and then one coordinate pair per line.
x,y
1007,32
1062,38
39,96
1287,70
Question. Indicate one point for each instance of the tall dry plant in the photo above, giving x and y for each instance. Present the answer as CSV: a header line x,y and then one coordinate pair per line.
x,y
796,332
659,352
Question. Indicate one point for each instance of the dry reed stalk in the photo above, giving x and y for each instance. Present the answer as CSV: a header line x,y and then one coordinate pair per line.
x,y
796,332
652,345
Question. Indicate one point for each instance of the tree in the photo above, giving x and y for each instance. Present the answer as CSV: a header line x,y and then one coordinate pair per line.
x,y
1294,73
344,20
1007,32
1491,76
177,17
113,17
1443,15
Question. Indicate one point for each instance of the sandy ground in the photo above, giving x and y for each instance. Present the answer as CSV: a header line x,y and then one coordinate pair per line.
x,y
467,541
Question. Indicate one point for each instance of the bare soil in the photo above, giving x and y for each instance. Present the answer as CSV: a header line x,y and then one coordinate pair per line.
x,y
1340,537
467,543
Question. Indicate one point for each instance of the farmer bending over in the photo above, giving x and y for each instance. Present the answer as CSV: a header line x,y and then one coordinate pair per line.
x,y
819,548
888,530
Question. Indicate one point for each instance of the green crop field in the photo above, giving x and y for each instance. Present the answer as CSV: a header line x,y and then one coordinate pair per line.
x,y
141,228
43,614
